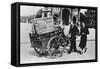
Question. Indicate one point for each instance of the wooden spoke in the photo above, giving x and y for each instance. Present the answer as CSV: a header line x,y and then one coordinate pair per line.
x,y
53,46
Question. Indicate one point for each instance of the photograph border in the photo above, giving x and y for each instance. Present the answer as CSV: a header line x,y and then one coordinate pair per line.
x,y
15,34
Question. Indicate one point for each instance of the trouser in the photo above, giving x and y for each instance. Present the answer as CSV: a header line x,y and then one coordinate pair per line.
x,y
73,44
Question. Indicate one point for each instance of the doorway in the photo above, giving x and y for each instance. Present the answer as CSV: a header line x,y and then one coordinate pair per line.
x,y
65,16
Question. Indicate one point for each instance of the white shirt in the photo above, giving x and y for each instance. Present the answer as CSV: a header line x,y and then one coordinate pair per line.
x,y
66,29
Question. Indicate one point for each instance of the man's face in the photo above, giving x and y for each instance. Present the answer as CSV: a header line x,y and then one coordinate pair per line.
x,y
72,24
83,24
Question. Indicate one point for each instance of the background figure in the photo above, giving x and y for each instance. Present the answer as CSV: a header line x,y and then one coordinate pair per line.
x,y
83,33
73,32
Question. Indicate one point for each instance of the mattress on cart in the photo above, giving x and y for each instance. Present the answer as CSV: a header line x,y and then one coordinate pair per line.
x,y
44,25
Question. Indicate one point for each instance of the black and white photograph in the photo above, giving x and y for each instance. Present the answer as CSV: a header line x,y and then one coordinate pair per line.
x,y
56,34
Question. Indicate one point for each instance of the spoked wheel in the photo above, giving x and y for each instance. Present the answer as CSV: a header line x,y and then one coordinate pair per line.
x,y
55,47
40,51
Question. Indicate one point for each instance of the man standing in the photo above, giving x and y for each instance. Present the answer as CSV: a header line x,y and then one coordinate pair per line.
x,y
73,32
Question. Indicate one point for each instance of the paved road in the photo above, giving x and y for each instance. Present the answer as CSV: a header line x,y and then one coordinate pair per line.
x,y
28,55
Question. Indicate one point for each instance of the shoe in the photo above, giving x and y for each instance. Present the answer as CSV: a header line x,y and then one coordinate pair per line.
x,y
75,50
69,52
85,50
80,52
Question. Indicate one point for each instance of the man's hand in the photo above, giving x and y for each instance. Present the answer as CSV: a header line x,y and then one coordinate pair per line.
x,y
69,35
82,33
77,36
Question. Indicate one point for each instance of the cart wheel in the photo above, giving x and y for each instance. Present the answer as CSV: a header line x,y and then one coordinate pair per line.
x,y
55,47
39,50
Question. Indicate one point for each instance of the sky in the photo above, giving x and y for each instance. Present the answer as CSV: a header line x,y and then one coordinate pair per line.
x,y
29,10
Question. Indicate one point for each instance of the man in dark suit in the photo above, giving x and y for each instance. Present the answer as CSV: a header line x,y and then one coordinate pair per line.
x,y
73,32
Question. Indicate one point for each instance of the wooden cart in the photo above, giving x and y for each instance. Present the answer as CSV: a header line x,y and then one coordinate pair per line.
x,y
47,38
